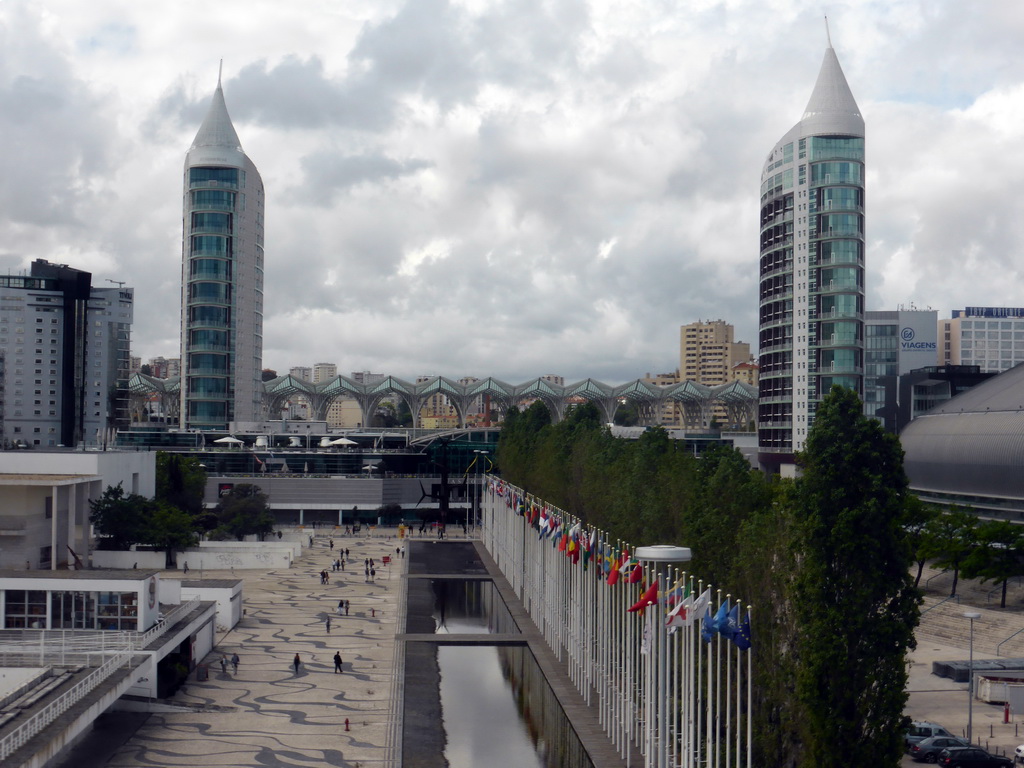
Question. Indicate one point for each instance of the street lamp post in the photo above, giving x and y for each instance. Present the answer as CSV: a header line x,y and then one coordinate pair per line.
x,y
478,495
970,674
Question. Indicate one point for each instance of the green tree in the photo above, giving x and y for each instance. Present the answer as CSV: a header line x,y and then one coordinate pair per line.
x,y
119,520
998,555
855,604
180,482
948,539
627,414
170,528
245,510
917,516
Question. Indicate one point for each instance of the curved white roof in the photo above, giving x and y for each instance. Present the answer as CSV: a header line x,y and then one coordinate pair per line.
x,y
832,108
216,143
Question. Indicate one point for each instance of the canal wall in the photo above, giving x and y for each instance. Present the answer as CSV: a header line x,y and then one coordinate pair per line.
x,y
423,738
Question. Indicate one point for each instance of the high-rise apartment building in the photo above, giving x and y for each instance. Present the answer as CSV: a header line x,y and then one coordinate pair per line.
x,y
708,354
64,356
811,293
303,372
991,338
221,279
323,372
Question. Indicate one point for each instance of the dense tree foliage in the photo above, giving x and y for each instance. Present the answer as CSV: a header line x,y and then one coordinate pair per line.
x,y
856,606
948,539
243,511
841,533
998,555
180,482
119,519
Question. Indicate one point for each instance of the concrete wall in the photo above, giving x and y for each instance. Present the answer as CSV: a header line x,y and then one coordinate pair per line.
x,y
102,558
224,559
291,544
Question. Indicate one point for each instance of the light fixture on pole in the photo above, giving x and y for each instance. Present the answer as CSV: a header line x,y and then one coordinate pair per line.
x,y
659,558
970,674
476,505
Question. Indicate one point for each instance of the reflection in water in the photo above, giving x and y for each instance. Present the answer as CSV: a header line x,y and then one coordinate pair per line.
x,y
498,709
470,606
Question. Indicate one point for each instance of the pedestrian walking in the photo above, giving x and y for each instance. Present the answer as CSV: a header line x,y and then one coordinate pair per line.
x,y
234,662
341,607
366,573
373,574
341,564
186,566
328,623
337,662
295,663
223,665
348,604
331,542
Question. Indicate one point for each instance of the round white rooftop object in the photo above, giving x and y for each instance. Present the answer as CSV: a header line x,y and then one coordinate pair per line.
x,y
663,553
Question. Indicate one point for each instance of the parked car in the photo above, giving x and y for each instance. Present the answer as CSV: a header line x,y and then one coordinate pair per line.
x,y
923,730
927,750
971,757
1018,755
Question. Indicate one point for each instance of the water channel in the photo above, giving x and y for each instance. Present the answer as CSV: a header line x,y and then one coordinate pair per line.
x,y
496,706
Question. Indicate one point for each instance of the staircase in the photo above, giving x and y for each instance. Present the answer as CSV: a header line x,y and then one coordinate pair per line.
x,y
944,622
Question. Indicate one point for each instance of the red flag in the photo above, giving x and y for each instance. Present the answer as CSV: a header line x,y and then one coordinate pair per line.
x,y
613,574
647,599
563,542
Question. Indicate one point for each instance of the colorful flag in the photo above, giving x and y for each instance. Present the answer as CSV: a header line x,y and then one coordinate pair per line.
x,y
742,637
687,611
707,626
637,574
647,599
613,572
731,625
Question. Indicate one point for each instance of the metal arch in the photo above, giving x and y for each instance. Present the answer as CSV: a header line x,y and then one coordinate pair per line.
x,y
739,400
695,400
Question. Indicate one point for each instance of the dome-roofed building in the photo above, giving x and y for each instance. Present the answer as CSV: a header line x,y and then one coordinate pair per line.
x,y
970,450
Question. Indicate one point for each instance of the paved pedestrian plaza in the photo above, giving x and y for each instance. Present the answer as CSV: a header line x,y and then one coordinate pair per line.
x,y
266,713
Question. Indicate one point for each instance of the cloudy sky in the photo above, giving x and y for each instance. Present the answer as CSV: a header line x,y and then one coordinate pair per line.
x,y
467,187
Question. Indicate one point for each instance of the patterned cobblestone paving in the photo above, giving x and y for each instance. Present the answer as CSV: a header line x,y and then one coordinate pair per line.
x,y
266,713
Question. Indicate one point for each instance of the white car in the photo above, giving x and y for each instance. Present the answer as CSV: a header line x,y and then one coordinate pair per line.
x,y
1018,755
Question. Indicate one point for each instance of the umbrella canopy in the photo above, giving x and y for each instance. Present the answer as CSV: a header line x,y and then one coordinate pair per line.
x,y
229,439
343,441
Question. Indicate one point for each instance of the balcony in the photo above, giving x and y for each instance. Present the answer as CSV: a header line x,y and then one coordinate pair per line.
x,y
211,184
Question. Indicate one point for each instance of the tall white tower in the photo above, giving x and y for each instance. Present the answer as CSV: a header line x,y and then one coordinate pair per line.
x,y
221,278
811,302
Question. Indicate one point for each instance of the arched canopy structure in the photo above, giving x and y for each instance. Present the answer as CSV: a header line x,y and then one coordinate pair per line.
x,y
695,400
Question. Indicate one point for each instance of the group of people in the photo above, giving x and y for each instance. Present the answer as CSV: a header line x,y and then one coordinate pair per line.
x,y
297,662
233,661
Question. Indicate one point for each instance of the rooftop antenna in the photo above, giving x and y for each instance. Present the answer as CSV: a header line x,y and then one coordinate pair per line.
x,y
827,35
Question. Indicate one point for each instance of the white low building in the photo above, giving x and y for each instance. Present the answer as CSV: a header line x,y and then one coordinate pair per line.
x,y
44,501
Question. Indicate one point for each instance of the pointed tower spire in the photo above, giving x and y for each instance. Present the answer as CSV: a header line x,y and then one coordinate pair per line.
x,y
832,108
217,130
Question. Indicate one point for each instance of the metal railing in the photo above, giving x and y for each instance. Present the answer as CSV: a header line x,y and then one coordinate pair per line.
x,y
945,600
37,722
1000,644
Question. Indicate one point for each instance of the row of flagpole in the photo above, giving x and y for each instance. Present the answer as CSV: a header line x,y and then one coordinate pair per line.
x,y
663,657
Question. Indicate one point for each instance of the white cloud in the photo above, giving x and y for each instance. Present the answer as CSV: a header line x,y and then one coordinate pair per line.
x,y
484,187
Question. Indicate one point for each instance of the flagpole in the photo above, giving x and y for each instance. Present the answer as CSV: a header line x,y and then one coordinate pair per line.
x,y
750,701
